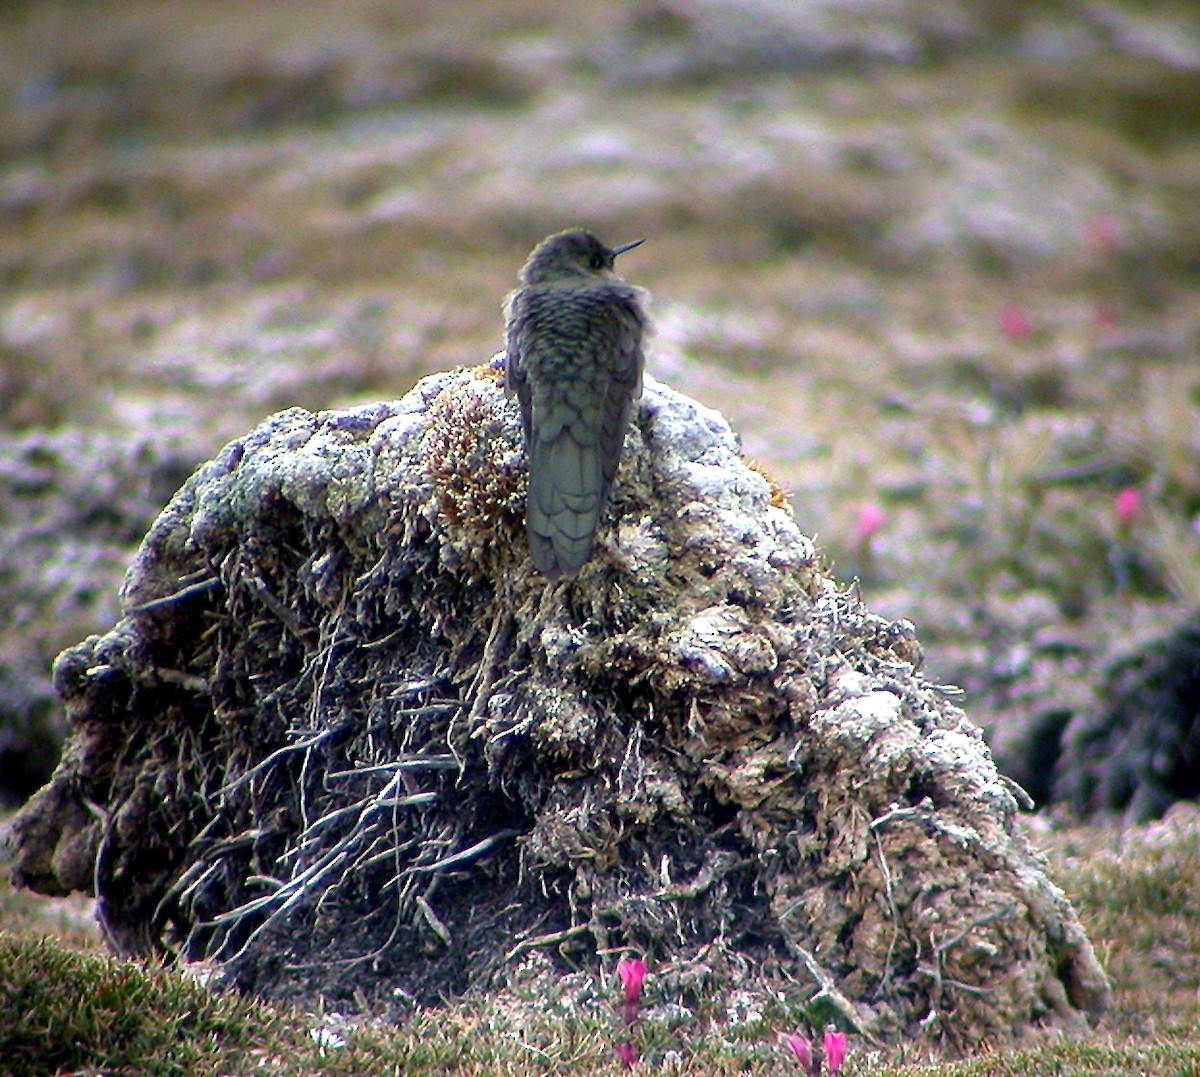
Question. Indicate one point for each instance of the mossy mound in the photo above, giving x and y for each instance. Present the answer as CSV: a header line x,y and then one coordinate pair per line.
x,y
346,740
1137,749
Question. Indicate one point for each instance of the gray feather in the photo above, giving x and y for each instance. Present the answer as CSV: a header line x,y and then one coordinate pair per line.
x,y
574,361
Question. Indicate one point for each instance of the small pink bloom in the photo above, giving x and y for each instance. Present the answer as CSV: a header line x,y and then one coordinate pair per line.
x,y
1100,233
801,1048
1015,323
1128,506
870,519
835,1050
1104,321
632,975
628,1055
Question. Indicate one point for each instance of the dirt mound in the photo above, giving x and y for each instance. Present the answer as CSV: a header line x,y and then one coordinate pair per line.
x,y
345,739
1137,749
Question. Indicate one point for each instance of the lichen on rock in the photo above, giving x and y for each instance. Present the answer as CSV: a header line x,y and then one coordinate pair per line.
x,y
346,739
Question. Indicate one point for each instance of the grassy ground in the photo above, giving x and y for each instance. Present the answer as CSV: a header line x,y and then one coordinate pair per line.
x,y
65,1007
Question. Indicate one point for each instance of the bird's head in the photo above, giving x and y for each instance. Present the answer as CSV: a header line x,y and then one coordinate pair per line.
x,y
568,255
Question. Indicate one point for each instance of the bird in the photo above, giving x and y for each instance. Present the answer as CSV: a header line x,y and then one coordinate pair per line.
x,y
573,358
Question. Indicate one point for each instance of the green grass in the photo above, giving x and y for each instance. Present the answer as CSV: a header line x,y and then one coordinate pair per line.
x,y
66,1011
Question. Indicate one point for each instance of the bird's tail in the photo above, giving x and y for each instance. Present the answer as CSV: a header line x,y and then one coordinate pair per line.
x,y
567,492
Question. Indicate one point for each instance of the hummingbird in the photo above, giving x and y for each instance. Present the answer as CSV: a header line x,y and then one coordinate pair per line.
x,y
574,360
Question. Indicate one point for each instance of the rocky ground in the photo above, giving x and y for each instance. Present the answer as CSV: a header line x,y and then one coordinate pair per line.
x,y
938,264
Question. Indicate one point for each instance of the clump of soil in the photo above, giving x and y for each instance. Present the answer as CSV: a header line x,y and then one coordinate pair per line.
x,y
346,739
1137,750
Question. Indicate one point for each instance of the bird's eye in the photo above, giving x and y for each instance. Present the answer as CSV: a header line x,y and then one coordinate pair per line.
x,y
597,261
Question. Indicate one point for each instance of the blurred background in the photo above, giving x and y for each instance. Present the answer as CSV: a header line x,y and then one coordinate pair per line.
x,y
937,262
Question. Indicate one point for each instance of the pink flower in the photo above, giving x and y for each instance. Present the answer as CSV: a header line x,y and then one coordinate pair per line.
x,y
1101,234
870,519
1104,321
832,1052
632,975
1128,506
801,1048
1015,323
628,1054
835,1050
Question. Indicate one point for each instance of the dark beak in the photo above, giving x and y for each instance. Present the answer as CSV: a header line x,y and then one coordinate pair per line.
x,y
627,247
